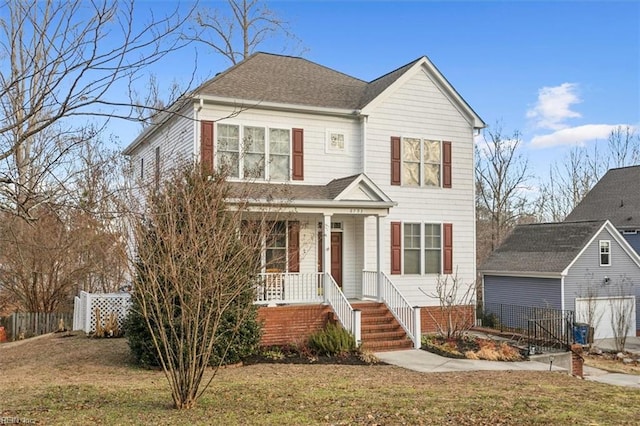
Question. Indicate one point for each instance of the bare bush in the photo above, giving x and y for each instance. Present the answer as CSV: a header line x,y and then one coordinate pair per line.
x,y
455,299
197,260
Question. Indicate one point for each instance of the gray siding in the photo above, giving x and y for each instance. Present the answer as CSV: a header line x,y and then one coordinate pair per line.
x,y
586,276
522,291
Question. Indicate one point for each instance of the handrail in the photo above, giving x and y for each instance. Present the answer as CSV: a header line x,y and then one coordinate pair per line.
x,y
289,287
407,315
348,317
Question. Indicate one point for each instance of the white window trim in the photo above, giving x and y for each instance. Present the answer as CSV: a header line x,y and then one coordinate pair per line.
x,y
329,149
422,247
421,173
267,171
600,242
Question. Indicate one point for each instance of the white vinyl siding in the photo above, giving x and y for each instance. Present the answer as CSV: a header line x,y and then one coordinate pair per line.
x,y
420,109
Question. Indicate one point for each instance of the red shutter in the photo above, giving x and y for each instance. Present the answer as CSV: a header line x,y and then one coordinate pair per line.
x,y
448,248
446,164
298,154
396,248
206,145
395,160
294,246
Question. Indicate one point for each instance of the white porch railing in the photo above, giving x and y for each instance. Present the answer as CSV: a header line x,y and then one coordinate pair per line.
x,y
281,287
349,318
370,284
407,315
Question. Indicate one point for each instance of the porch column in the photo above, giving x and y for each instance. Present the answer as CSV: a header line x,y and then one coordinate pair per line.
x,y
326,255
378,258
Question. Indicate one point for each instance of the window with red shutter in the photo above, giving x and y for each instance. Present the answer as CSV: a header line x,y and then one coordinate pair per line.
x,y
396,160
396,248
298,154
446,164
206,145
448,248
294,246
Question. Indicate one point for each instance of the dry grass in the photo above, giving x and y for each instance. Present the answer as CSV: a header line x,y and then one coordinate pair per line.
x,y
77,380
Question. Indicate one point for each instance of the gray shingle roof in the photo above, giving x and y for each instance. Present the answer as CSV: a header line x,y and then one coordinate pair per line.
x,y
285,79
615,197
541,247
259,190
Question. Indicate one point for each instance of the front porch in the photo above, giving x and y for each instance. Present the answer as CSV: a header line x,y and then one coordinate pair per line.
x,y
295,305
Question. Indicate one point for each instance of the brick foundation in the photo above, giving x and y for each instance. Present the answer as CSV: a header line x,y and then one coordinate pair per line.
x,y
430,316
283,325
576,360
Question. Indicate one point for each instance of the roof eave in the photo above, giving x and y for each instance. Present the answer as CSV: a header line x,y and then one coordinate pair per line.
x,y
524,274
244,104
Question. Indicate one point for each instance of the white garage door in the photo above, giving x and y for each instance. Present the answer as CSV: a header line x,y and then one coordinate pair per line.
x,y
606,312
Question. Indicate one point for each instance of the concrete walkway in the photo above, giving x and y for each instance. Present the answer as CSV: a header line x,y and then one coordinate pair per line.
x,y
427,362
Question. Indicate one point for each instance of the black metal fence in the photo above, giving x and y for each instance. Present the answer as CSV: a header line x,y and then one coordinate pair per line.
x,y
546,329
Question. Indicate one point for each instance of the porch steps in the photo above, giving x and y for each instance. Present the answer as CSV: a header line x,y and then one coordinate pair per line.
x,y
380,330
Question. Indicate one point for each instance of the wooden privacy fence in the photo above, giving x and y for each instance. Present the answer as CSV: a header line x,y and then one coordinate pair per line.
x,y
27,324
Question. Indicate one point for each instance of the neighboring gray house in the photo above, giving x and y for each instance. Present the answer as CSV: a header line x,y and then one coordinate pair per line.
x,y
568,266
616,197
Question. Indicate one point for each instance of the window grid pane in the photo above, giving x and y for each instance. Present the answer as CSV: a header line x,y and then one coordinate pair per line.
x,y
229,148
411,161
254,148
411,248
432,157
432,250
279,143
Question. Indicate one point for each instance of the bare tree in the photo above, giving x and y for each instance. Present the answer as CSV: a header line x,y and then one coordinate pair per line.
x,y
624,147
240,34
455,301
502,175
568,182
68,63
197,260
621,312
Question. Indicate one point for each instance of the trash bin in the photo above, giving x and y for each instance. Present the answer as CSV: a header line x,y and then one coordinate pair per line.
x,y
580,333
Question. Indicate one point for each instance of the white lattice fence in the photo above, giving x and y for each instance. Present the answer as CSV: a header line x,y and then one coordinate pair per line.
x,y
84,314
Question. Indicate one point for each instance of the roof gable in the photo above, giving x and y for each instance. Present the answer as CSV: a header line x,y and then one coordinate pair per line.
x,y
547,248
615,197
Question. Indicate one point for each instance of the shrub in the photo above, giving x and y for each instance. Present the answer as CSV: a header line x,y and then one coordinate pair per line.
x,y
240,335
333,340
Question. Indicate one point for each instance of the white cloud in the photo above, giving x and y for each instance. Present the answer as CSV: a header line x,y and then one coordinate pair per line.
x,y
483,144
554,106
574,135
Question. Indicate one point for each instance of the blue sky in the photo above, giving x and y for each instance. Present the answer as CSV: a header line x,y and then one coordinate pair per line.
x,y
561,73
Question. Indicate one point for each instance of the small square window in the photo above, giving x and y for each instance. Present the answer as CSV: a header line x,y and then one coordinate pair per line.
x,y
336,141
605,253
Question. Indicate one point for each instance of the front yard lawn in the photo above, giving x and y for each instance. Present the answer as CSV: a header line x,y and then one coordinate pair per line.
x,y
78,380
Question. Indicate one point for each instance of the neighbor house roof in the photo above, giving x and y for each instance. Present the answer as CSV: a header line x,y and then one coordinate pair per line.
x,y
544,248
615,197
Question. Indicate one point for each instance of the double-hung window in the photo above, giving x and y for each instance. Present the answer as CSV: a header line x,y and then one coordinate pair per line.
x,y
229,149
605,253
422,248
254,152
432,248
412,248
421,162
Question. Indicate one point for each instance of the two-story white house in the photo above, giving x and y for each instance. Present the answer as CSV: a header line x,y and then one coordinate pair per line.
x,y
378,179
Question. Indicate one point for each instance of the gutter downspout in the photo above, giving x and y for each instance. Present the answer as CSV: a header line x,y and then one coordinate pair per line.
x,y
196,133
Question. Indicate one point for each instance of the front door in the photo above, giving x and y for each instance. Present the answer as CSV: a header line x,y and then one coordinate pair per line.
x,y
336,256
